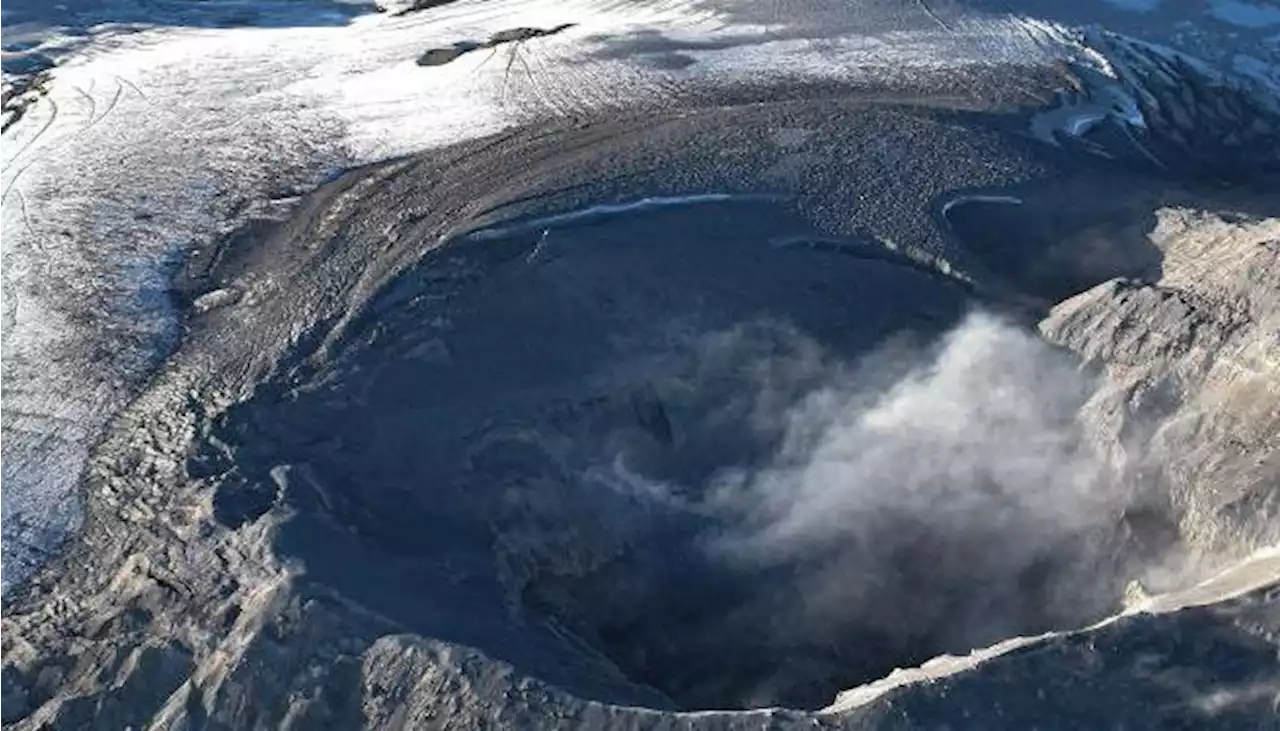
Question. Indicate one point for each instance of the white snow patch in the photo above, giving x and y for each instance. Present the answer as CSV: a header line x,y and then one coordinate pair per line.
x,y
394,107
980,198
1245,14
1138,6
1260,570
1267,74
589,213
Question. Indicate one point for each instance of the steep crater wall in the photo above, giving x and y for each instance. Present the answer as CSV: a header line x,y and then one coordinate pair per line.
x,y
740,474
682,415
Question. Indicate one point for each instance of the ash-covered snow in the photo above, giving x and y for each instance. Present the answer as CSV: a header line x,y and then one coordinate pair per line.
x,y
156,140
163,128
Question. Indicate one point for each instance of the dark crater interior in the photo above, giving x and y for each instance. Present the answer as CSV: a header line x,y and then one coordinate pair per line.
x,y
511,449
1042,245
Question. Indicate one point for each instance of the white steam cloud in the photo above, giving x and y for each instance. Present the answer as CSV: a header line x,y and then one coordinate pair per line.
x,y
964,500
923,500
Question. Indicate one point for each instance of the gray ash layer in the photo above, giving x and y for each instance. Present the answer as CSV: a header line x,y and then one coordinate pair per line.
x,y
459,444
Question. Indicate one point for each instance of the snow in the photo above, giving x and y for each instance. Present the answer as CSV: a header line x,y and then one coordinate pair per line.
x,y
1255,572
976,198
597,212
394,107
152,143
156,143
1139,6
1245,14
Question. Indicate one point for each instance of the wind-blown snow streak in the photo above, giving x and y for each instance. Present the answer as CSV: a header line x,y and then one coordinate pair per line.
x,y
603,211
